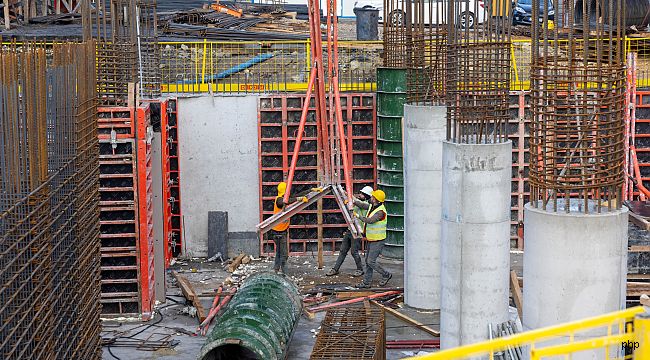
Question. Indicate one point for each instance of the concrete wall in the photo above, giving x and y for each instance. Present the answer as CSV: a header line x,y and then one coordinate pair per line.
x,y
219,165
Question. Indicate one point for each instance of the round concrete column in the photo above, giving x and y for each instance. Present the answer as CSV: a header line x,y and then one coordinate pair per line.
x,y
575,266
424,131
475,251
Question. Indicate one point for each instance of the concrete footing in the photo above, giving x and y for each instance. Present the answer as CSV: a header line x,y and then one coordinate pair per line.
x,y
475,240
575,266
424,131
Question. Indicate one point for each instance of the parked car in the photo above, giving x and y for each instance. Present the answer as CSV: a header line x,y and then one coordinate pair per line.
x,y
523,12
467,19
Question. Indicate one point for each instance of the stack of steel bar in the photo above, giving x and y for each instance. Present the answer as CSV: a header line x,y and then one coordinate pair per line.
x,y
173,235
505,329
49,245
351,332
478,71
578,90
279,117
125,167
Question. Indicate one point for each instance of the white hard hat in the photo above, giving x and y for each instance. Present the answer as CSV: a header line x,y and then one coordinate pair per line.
x,y
367,190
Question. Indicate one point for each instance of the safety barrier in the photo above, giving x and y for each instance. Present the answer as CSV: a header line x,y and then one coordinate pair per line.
x,y
624,335
283,66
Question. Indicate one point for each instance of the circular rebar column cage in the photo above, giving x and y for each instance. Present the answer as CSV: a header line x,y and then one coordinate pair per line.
x,y
578,96
478,70
426,49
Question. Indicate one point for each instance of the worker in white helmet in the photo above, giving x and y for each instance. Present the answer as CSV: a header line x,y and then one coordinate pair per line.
x,y
350,243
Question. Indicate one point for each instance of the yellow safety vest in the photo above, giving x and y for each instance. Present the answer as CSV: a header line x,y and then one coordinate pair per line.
x,y
377,231
283,225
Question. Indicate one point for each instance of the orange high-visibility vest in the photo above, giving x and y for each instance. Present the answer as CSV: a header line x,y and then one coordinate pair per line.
x,y
283,225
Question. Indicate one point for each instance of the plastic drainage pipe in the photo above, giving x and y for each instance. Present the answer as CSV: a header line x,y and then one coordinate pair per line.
x,y
235,69
258,322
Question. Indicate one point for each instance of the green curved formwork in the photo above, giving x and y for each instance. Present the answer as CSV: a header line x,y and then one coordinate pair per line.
x,y
258,322
391,79
391,96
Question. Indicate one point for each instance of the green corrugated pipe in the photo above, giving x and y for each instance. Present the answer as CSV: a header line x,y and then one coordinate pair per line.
x,y
258,322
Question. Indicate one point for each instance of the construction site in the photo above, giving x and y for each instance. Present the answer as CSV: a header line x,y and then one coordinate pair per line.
x,y
325,179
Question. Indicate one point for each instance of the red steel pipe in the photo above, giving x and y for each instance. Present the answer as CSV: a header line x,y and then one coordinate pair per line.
x,y
301,130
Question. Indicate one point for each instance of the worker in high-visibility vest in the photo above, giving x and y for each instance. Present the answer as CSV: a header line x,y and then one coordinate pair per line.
x,y
375,229
349,242
280,232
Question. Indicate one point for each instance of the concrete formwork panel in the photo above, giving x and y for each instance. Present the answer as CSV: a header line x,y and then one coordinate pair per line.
x,y
575,266
475,240
424,131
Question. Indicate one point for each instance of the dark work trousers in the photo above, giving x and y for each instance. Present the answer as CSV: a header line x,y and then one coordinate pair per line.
x,y
372,252
353,245
281,239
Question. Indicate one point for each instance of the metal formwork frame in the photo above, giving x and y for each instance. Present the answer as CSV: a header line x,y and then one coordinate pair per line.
x,y
172,236
358,110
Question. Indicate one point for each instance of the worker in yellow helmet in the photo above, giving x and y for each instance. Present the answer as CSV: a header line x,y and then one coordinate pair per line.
x,y
280,232
349,242
375,222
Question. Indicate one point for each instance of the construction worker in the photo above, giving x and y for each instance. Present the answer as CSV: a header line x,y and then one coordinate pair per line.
x,y
375,230
280,232
350,243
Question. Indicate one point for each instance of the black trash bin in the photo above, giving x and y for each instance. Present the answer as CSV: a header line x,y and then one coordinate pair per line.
x,y
367,23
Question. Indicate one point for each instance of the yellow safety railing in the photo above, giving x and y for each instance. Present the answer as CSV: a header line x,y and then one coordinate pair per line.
x,y
254,66
608,335
283,66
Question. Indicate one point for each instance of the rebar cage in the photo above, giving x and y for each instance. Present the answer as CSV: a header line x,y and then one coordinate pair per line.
x,y
578,94
49,223
478,70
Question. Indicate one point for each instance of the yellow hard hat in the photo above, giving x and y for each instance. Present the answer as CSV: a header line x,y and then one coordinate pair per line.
x,y
282,187
379,195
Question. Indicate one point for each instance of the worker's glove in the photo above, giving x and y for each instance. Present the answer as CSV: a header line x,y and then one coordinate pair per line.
x,y
303,199
318,189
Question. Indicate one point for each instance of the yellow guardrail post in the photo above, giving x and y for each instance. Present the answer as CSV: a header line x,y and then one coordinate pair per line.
x,y
205,50
514,64
642,338
308,56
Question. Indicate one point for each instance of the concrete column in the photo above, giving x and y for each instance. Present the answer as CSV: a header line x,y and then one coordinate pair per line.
x,y
424,131
475,242
575,266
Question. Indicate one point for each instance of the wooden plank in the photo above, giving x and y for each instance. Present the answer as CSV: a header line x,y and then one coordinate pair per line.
x,y
320,233
639,248
235,264
639,221
353,294
6,11
516,291
407,319
190,294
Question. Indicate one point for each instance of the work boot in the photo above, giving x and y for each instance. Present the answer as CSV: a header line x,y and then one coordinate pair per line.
x,y
385,280
332,272
363,285
357,273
